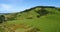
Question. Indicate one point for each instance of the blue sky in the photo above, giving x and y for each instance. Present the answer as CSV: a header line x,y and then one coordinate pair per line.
x,y
9,6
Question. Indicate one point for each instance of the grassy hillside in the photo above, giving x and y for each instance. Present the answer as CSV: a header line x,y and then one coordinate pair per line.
x,y
33,20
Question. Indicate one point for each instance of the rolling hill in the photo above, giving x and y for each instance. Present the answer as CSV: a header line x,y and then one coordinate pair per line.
x,y
36,19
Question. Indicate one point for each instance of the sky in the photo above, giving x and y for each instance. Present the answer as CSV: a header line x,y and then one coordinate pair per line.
x,y
11,6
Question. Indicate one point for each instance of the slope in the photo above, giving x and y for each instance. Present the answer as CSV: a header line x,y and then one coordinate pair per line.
x,y
49,22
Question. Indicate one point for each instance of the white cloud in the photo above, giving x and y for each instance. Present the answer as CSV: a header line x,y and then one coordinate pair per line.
x,y
8,8
5,6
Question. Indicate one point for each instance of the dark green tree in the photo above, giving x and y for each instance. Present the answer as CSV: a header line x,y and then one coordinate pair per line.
x,y
2,18
42,12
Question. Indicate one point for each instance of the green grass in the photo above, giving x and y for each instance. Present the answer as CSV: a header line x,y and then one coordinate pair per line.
x,y
48,23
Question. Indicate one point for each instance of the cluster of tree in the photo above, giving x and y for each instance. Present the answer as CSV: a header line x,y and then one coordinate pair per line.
x,y
42,12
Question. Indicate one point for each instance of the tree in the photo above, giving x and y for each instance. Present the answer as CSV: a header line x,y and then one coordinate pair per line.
x,y
2,18
42,12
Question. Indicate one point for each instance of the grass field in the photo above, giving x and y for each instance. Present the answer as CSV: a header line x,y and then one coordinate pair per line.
x,y
49,23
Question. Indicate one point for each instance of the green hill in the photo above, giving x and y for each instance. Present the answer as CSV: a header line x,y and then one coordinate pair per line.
x,y
44,18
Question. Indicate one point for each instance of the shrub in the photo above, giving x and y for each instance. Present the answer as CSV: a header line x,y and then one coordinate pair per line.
x,y
38,16
58,9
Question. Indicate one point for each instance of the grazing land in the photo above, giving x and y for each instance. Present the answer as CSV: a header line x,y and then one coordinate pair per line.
x,y
36,19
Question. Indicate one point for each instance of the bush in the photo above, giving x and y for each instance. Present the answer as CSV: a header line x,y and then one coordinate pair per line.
x,y
58,9
38,16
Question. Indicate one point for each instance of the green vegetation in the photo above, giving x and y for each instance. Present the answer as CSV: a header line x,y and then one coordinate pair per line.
x,y
31,21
